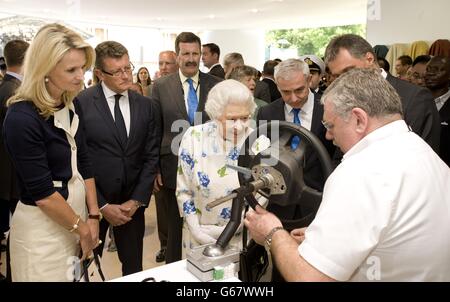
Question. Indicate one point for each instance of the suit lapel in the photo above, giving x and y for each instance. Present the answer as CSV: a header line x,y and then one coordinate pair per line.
x,y
134,114
204,88
279,112
176,87
104,111
444,113
316,121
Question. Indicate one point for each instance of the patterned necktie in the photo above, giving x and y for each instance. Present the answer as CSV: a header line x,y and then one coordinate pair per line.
x,y
192,101
296,139
119,121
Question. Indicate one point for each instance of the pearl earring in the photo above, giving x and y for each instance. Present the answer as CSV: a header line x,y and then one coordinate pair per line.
x,y
46,80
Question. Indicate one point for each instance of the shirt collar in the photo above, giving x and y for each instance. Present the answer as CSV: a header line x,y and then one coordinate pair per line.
x,y
383,73
214,65
307,107
379,134
443,98
183,78
16,75
109,93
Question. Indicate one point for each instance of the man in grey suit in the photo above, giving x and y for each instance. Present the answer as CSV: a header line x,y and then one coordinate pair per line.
x,y
349,51
179,97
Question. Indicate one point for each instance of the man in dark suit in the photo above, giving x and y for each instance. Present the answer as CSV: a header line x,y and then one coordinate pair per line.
x,y
419,111
179,97
14,52
293,78
437,79
120,132
210,58
267,74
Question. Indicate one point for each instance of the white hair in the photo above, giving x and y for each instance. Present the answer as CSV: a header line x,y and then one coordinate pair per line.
x,y
226,92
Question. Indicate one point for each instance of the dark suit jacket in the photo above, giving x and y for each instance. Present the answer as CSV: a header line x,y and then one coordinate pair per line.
x,y
121,172
419,110
8,182
444,114
168,98
274,92
312,171
262,91
217,71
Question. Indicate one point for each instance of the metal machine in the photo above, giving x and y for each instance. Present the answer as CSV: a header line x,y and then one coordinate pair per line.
x,y
275,172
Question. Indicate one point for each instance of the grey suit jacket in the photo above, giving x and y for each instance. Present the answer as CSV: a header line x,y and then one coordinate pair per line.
x,y
168,97
8,183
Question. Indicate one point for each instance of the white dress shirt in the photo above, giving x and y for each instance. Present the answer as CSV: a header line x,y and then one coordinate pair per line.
x,y
124,105
306,112
440,101
385,212
195,82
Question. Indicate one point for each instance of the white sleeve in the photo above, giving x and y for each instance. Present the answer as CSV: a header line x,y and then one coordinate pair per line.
x,y
185,188
354,212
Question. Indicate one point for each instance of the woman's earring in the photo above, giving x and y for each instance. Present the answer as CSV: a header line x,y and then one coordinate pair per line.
x,y
46,79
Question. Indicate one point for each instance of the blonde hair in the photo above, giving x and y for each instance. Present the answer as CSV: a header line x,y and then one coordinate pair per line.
x,y
48,47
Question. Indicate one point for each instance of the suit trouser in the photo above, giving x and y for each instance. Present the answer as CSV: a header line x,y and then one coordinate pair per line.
x,y
129,240
161,218
174,228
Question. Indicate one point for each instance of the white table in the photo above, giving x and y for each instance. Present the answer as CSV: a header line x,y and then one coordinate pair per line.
x,y
173,272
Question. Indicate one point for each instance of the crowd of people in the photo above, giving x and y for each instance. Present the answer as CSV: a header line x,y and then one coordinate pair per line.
x,y
77,161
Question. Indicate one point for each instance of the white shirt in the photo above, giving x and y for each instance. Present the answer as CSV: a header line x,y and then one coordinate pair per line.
x,y
440,101
385,213
124,104
195,82
305,114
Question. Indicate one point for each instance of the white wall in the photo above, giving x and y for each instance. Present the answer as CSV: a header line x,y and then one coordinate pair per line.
x,y
250,43
406,21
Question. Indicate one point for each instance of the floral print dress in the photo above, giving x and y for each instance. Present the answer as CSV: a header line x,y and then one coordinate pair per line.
x,y
203,177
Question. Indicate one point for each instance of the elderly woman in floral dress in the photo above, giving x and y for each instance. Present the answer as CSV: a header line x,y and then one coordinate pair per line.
x,y
205,151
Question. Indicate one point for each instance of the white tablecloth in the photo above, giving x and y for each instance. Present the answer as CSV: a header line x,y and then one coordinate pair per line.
x,y
173,272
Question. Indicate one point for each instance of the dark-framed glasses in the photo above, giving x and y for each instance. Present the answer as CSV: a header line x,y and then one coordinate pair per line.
x,y
127,69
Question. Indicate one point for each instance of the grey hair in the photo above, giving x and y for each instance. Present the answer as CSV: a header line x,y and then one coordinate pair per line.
x,y
356,45
226,92
286,68
233,58
363,88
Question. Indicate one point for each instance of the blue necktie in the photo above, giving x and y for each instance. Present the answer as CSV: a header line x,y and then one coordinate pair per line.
x,y
296,139
192,101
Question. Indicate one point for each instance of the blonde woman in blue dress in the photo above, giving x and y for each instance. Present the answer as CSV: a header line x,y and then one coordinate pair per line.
x,y
204,152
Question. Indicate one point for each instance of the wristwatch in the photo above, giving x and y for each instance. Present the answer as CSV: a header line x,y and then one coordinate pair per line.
x,y
268,239
99,216
139,204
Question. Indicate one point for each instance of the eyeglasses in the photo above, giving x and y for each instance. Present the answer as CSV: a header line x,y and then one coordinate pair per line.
x,y
127,69
328,125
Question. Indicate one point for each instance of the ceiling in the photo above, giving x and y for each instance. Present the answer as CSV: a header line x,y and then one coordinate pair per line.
x,y
195,14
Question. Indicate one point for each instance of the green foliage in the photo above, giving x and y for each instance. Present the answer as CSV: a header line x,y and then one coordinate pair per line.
x,y
311,40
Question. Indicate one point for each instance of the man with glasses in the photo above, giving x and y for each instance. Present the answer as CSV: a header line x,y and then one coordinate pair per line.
x,y
349,51
384,214
121,136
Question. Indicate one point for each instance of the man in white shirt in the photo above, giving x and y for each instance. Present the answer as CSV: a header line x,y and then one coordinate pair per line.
x,y
385,213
